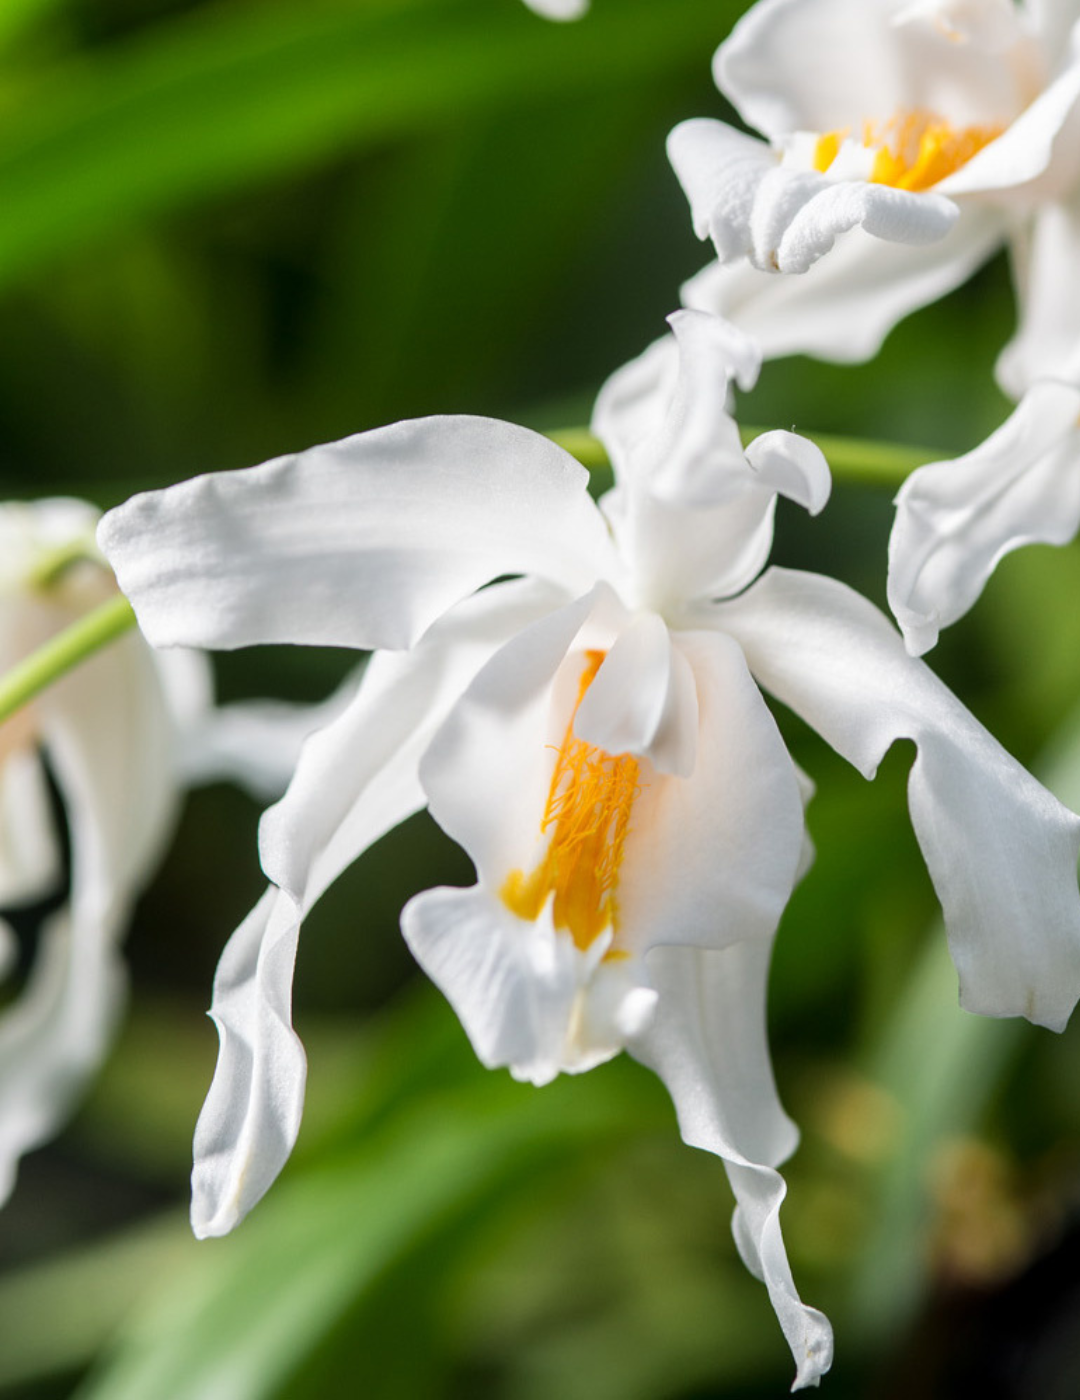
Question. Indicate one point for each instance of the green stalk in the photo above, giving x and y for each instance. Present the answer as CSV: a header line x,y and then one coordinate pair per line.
x,y
64,652
860,460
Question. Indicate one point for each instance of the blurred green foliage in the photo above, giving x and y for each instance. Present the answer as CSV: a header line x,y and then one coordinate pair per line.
x,y
232,228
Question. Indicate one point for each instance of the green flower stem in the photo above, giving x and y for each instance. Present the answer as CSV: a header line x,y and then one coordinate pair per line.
x,y
64,652
851,459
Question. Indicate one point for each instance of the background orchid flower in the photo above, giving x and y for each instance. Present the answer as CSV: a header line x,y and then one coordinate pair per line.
x,y
916,138
559,9
955,520
119,737
591,732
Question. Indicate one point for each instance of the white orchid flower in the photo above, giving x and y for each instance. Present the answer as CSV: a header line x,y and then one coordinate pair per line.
x,y
916,138
591,732
956,519
118,737
559,9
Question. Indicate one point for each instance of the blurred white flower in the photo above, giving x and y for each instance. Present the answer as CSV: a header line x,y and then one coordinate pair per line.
x,y
917,138
559,9
118,737
592,734
955,520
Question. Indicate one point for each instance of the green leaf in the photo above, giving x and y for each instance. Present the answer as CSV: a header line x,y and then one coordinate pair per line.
x,y
225,97
244,1317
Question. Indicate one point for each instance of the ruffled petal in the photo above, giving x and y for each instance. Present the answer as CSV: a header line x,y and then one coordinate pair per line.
x,y
783,219
843,307
956,520
1001,851
664,416
355,780
692,512
707,1042
527,996
360,543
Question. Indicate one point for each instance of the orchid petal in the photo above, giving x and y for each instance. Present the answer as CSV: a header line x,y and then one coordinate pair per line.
x,y
843,307
30,862
1001,851
664,416
711,858
956,520
256,743
559,9
707,1042
355,780
360,543
827,65
792,466
784,219
1047,339
108,736
527,997
634,693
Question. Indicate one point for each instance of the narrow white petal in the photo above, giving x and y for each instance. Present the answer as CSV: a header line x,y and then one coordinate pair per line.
x,y
256,743
843,307
355,780
956,520
360,543
1002,852
707,1042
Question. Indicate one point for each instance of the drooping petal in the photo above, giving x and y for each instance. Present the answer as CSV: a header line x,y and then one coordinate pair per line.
x,y
843,307
355,780
956,520
1001,851
782,218
360,543
1047,341
707,1042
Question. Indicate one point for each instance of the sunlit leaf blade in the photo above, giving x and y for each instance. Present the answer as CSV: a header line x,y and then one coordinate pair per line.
x,y
253,1307
227,97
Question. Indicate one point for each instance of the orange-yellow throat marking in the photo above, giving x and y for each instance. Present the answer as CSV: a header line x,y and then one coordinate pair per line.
x,y
588,815
914,150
